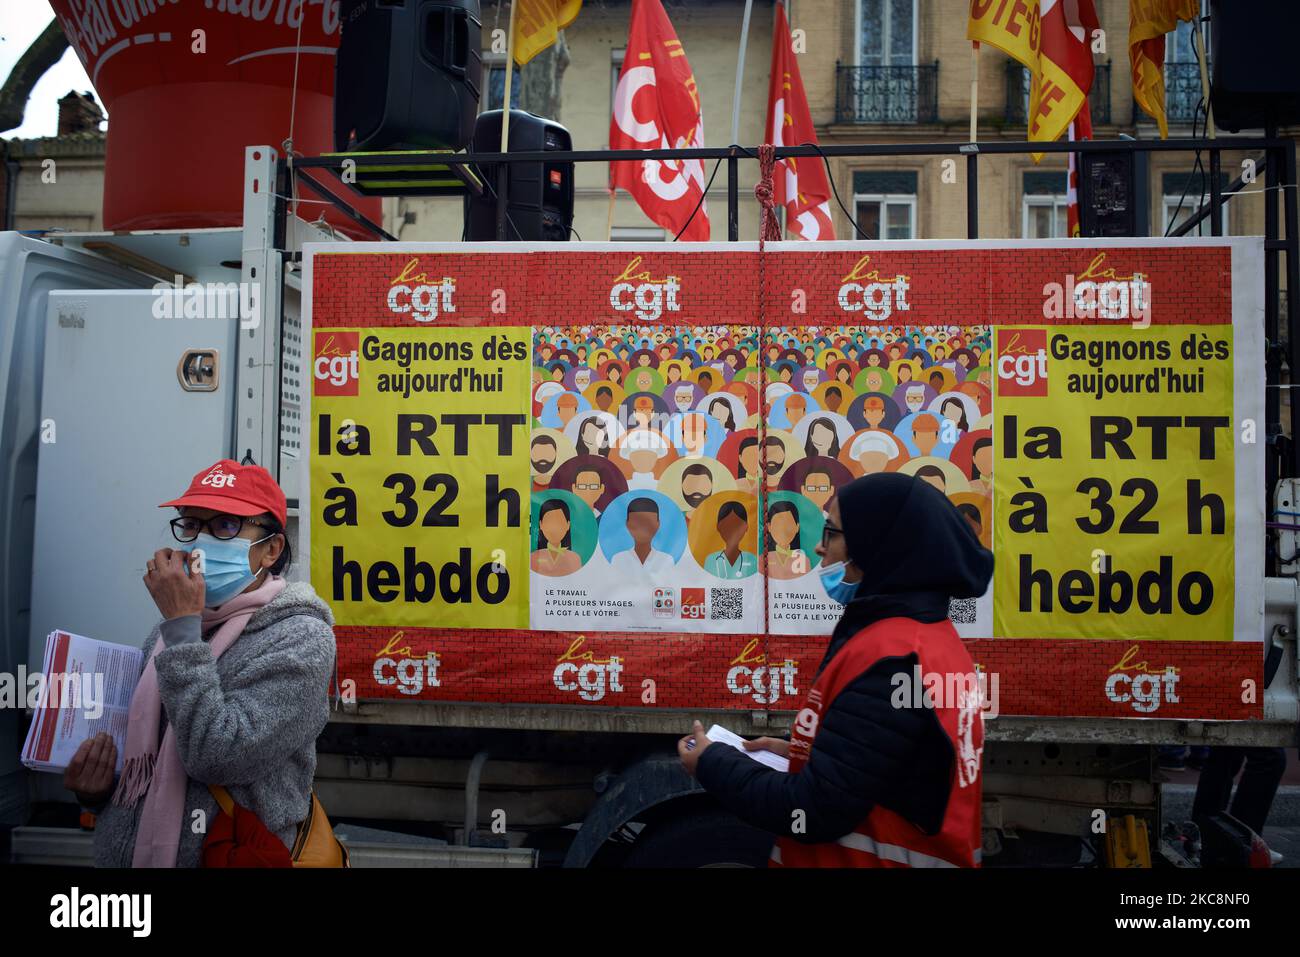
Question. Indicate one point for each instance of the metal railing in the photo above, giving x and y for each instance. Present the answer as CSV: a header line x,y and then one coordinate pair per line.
x,y
887,94
1182,95
1182,91
1018,89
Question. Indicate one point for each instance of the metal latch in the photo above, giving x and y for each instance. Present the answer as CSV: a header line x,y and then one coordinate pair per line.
x,y
197,370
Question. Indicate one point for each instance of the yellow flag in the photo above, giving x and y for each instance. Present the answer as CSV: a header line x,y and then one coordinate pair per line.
x,y
538,23
1011,27
1017,30
1148,22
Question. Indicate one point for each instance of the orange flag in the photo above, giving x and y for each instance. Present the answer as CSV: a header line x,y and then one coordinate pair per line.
x,y
1051,38
1148,22
538,24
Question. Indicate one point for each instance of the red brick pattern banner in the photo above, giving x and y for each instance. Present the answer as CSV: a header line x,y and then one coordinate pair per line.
x,y
858,287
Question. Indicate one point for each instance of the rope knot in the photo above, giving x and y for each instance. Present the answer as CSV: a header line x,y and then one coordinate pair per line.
x,y
765,193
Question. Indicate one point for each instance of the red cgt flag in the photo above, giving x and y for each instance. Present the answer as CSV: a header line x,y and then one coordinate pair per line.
x,y
800,185
656,106
1067,29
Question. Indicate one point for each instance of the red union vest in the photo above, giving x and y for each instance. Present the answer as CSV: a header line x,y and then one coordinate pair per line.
x,y
884,838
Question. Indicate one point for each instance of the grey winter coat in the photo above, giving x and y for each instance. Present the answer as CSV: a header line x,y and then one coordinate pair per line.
x,y
247,720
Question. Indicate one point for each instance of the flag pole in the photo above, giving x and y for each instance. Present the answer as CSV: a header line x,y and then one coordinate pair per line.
x,y
740,72
974,85
510,75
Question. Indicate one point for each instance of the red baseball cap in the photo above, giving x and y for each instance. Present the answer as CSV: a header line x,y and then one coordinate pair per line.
x,y
235,489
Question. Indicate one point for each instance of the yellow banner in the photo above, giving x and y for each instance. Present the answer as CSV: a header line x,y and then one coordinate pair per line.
x,y
538,23
1114,501
1149,20
420,476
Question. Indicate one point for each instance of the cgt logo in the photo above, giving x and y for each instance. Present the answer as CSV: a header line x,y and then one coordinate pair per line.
x,y
863,289
692,607
1022,363
1099,292
750,674
1136,684
581,671
217,478
411,674
411,292
641,293
334,366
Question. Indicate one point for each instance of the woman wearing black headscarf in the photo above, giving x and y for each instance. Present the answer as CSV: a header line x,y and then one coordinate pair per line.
x,y
884,763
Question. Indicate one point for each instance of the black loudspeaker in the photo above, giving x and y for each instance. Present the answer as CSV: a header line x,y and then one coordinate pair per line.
x,y
1113,194
407,75
1255,81
539,195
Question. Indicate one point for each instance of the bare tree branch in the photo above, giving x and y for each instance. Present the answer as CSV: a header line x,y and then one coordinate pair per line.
x,y
542,80
45,51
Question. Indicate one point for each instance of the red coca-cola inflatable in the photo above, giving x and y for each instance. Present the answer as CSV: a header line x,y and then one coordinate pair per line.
x,y
188,84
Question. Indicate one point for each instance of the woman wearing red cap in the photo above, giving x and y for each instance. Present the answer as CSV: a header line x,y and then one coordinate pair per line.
x,y
234,691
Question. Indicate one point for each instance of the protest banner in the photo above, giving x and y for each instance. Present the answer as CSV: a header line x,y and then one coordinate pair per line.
x,y
673,427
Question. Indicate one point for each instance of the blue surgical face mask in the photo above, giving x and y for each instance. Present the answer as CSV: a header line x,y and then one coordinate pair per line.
x,y
226,570
837,589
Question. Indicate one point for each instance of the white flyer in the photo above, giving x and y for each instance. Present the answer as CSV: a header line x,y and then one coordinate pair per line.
x,y
720,735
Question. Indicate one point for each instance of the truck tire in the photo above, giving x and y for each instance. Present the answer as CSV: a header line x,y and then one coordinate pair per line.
x,y
700,838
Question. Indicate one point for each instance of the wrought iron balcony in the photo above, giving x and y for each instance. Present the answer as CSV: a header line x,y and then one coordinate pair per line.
x,y
1182,95
887,94
1182,91
1018,81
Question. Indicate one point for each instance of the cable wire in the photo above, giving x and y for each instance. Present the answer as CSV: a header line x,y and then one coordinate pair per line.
x,y
700,202
831,179
1201,104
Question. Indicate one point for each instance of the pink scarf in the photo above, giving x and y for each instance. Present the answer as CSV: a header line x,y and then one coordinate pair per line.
x,y
154,771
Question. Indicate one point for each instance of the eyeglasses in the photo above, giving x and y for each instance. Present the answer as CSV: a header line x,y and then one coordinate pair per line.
x,y
827,531
818,488
186,528
588,488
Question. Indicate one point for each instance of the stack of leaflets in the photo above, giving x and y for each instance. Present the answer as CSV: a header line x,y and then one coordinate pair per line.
x,y
85,688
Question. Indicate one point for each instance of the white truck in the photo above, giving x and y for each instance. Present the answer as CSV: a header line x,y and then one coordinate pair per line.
x,y
105,411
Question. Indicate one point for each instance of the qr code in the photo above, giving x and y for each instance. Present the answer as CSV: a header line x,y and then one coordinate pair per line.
x,y
726,603
962,610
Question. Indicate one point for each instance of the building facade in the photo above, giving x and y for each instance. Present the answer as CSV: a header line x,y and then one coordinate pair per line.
x,y
56,182
902,74
875,71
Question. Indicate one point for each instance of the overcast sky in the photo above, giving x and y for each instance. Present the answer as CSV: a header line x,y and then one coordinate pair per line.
x,y
21,22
